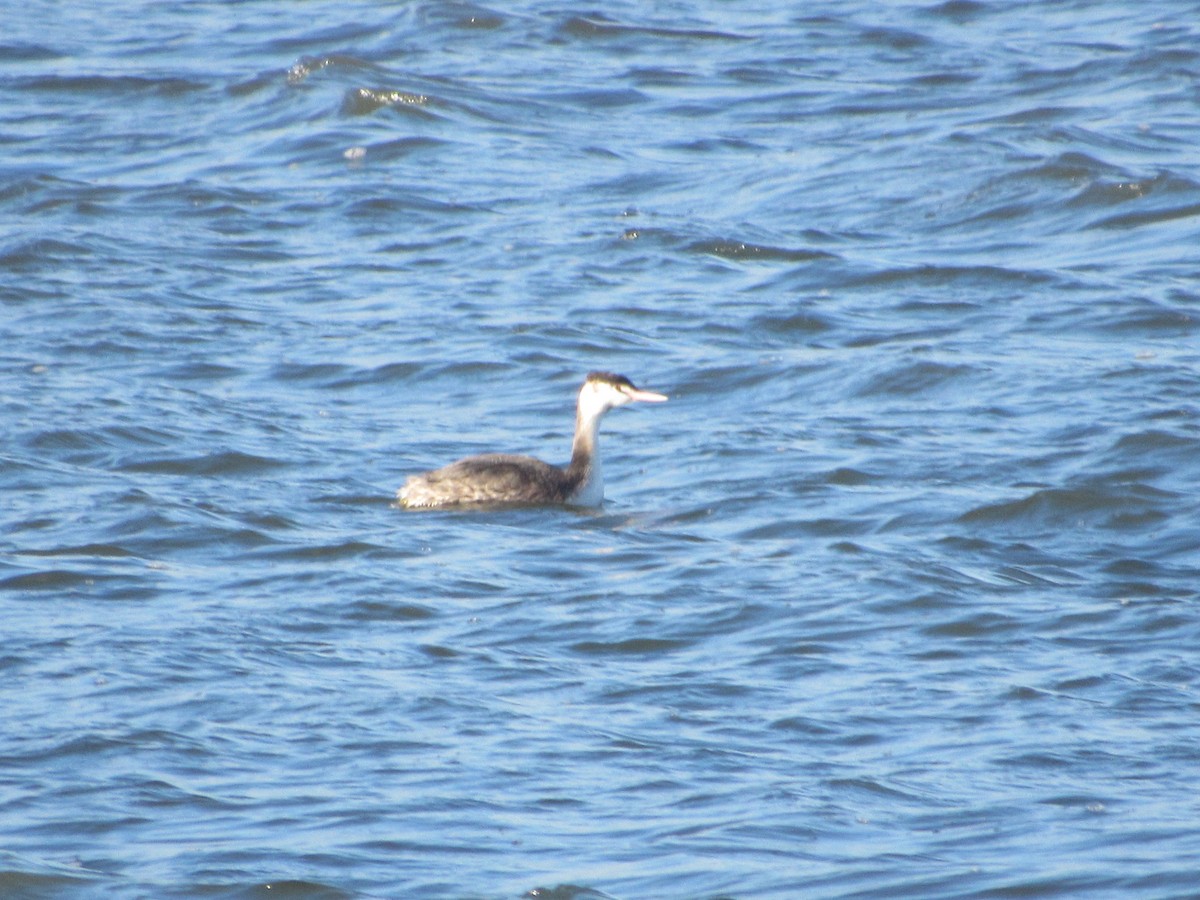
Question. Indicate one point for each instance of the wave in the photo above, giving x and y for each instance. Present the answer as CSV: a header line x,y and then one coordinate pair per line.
x,y
597,25
221,463
1121,507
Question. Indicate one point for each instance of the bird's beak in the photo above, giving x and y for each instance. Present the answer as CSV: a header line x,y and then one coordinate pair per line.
x,y
645,396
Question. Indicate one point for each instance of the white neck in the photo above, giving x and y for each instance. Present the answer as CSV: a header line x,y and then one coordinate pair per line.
x,y
585,451
591,492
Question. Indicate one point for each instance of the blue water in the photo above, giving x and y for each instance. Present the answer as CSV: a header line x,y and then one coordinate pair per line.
x,y
897,597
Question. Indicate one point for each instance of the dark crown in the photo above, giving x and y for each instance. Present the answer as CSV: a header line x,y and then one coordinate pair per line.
x,y
610,378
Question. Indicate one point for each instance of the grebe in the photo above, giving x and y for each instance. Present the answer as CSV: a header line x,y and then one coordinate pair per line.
x,y
500,478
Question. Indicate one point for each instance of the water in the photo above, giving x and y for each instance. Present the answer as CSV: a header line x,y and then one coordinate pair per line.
x,y
897,597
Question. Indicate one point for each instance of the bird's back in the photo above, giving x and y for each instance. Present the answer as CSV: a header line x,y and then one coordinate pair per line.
x,y
492,478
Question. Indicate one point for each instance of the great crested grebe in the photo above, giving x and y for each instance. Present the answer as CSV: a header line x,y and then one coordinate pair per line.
x,y
498,478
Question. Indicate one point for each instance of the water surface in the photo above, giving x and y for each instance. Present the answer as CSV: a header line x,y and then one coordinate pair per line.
x,y
897,597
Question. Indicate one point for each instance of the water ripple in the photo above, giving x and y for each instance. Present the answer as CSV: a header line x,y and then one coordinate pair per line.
x,y
897,584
